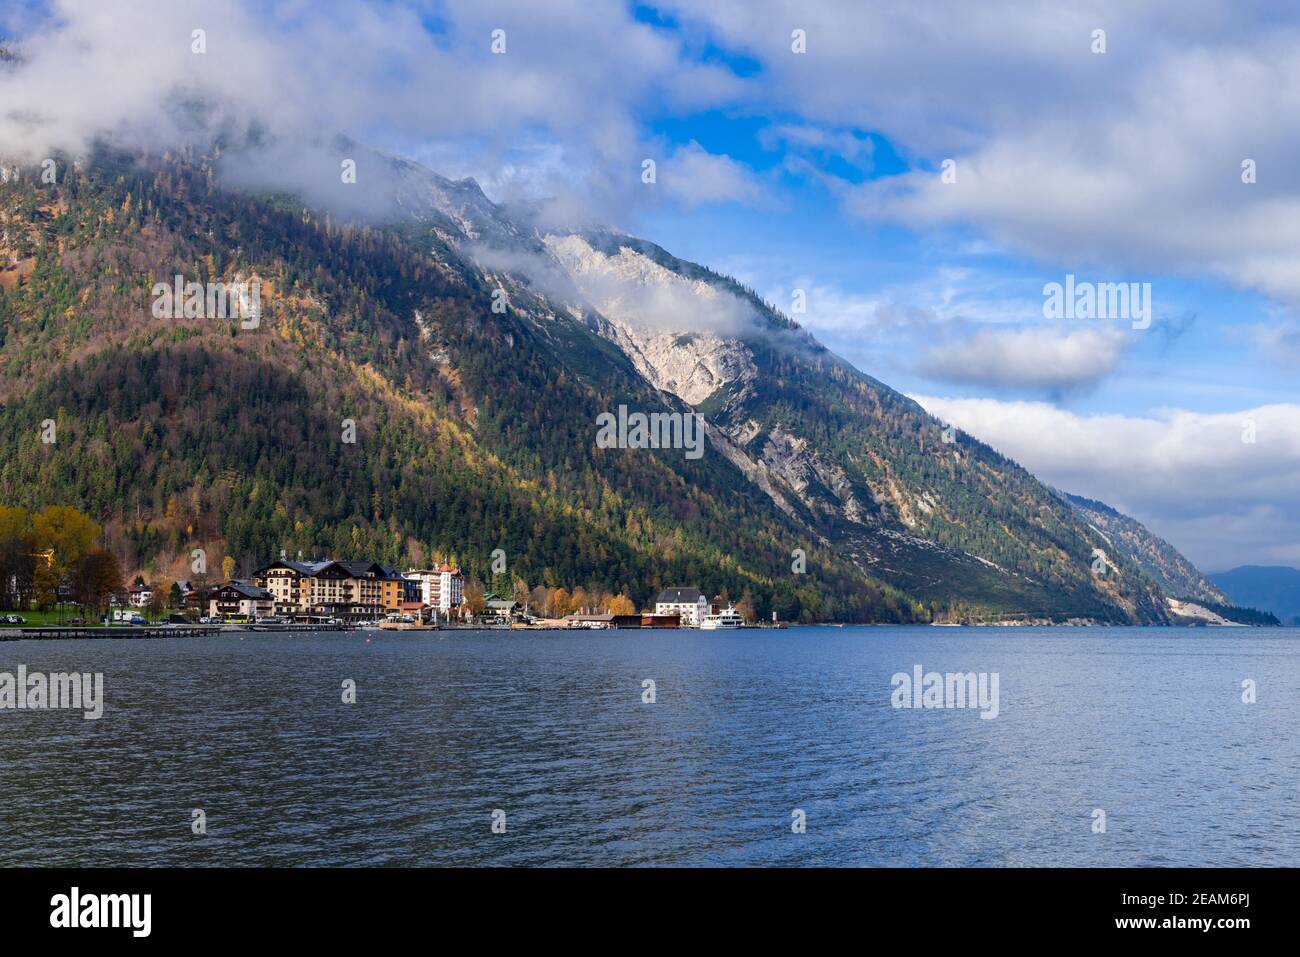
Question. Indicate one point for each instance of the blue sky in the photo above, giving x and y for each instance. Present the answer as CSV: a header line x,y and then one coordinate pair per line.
x,y
1102,139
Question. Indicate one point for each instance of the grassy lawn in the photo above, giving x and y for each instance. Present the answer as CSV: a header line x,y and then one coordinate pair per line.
x,y
42,619
34,618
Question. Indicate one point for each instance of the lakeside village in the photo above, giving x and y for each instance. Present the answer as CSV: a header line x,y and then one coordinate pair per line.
x,y
52,573
332,592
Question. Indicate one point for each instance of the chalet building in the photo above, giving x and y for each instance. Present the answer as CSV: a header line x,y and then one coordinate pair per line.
x,y
240,599
501,609
441,588
337,589
139,595
688,604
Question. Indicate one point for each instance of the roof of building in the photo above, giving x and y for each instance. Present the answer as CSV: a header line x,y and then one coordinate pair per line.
x,y
302,568
248,590
432,571
679,596
360,568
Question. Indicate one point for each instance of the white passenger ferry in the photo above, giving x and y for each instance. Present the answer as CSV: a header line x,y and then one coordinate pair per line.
x,y
727,618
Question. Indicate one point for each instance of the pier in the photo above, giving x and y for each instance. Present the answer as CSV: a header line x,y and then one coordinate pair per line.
x,y
143,631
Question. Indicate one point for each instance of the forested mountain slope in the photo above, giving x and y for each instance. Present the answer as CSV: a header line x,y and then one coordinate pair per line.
x,y
475,427
474,430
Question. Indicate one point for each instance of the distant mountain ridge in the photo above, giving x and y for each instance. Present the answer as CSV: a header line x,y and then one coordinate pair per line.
x,y
1273,588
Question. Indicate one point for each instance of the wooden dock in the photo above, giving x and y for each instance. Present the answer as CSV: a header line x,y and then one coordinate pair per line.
x,y
138,631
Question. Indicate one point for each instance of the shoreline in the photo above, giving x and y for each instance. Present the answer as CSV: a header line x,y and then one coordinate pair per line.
x,y
138,633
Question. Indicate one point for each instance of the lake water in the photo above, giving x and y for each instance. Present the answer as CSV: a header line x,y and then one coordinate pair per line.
x,y
1147,725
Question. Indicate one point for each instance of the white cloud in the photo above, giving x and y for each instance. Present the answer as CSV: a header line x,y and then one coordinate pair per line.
x,y
1036,358
632,288
696,176
571,87
1279,340
1129,159
957,325
1188,476
819,142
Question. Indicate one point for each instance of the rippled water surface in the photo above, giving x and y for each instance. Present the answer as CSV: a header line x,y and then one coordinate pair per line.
x,y
1146,724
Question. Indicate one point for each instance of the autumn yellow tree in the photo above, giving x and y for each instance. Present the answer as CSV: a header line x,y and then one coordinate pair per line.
x,y
45,583
158,598
17,557
65,532
621,605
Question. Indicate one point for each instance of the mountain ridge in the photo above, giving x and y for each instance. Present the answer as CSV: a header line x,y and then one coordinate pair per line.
x,y
897,518
1271,588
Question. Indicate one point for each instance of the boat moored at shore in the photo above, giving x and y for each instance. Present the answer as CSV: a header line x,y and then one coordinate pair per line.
x,y
726,618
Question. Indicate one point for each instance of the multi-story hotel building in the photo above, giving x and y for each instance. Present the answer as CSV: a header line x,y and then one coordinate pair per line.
x,y
441,588
338,589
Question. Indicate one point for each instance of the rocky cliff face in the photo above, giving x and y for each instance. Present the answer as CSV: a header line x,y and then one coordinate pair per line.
x,y
668,324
